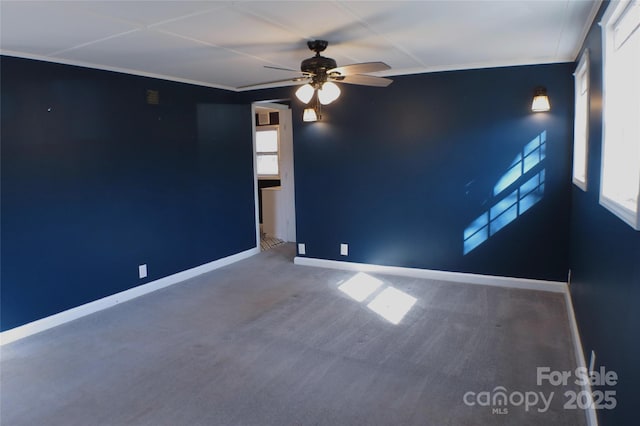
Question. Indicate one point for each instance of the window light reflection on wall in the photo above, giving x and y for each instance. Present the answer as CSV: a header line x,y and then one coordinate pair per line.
x,y
515,192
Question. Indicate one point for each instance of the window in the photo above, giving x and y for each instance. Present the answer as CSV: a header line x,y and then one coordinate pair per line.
x,y
267,161
620,178
581,124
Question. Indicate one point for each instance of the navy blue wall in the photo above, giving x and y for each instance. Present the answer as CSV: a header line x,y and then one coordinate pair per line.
x,y
399,173
95,181
605,265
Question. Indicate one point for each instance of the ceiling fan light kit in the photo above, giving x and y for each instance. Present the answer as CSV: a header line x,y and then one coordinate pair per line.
x,y
305,93
328,93
310,115
320,75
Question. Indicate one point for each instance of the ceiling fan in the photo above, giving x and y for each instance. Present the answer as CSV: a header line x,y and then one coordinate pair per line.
x,y
319,75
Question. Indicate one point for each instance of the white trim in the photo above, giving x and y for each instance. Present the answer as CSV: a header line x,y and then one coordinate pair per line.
x,y
271,105
285,166
611,15
630,218
113,69
255,175
390,73
463,277
255,106
590,413
585,64
109,301
587,27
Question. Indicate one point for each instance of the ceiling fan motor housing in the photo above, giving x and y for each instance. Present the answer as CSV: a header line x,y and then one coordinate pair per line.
x,y
318,66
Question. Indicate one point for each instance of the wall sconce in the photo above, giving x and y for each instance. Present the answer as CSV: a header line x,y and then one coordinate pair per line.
x,y
309,115
540,100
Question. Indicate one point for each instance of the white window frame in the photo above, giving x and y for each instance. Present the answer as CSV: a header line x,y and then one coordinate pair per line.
x,y
581,144
277,152
612,17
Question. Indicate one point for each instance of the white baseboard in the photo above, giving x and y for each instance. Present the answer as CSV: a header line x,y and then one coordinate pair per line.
x,y
463,277
523,283
37,326
590,413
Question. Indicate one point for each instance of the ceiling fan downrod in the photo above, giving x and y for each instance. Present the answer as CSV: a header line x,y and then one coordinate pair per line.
x,y
317,45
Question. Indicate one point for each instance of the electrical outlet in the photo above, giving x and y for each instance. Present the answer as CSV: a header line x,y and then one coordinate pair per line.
x,y
142,271
344,249
302,249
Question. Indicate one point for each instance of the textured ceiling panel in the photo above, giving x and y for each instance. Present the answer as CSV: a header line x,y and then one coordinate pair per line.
x,y
228,43
47,27
142,13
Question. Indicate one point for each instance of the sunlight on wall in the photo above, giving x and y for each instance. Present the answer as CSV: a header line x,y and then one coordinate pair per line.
x,y
390,303
523,189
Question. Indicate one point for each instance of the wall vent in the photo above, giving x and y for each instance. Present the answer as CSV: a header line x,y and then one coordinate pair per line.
x,y
153,97
263,119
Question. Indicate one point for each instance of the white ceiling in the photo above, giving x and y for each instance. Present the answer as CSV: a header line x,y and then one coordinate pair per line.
x,y
226,44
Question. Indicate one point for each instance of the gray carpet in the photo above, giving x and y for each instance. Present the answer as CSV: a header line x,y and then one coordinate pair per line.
x,y
266,342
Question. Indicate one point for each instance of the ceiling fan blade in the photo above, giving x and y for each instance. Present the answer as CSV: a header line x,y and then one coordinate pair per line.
x,y
307,74
362,68
297,80
280,68
364,80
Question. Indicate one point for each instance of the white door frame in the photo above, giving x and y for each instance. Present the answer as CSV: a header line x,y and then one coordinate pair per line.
x,y
287,180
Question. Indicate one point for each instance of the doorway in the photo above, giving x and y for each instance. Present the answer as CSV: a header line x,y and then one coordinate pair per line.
x,y
273,173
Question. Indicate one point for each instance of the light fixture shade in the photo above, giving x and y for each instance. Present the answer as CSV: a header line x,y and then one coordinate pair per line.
x,y
309,115
328,93
540,100
305,93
